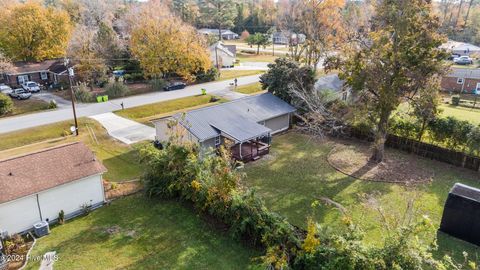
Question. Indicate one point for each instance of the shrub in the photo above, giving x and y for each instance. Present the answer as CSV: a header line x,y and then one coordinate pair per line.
x,y
83,94
157,84
207,76
116,89
456,100
6,104
404,128
61,217
52,104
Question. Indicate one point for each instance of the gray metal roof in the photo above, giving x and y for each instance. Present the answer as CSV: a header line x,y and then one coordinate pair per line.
x,y
469,73
239,119
331,82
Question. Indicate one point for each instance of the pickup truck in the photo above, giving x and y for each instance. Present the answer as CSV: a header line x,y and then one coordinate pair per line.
x,y
20,94
31,87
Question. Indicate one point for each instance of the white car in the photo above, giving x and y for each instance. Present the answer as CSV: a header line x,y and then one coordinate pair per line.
x,y
31,87
5,89
20,94
463,60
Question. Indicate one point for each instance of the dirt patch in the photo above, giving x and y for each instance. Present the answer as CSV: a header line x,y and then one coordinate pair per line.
x,y
115,190
401,168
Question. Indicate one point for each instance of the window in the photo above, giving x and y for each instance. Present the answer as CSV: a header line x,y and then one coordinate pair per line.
x,y
344,96
22,79
460,80
44,76
478,87
218,141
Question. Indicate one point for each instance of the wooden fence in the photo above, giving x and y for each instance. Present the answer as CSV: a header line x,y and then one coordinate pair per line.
x,y
426,150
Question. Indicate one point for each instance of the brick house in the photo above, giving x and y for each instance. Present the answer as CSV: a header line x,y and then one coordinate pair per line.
x,y
462,80
45,73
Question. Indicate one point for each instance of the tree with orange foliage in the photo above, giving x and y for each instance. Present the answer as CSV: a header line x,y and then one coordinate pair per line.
x,y
164,44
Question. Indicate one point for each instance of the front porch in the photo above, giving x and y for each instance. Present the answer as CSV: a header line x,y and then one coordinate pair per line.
x,y
250,150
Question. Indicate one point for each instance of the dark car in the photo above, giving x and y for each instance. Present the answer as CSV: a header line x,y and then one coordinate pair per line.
x,y
174,86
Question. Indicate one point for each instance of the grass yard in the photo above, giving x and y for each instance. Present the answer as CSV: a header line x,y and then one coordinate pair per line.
x,y
140,233
249,88
27,106
247,57
148,112
232,74
297,173
120,159
462,113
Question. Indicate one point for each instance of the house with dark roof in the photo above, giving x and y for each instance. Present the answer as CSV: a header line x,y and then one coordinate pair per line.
x,y
244,125
37,186
462,80
45,73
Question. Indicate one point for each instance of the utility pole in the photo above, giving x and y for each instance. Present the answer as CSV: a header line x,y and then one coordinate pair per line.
x,y
71,74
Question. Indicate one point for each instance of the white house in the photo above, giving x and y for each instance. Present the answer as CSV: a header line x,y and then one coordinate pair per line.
x,y
222,55
37,186
226,34
460,48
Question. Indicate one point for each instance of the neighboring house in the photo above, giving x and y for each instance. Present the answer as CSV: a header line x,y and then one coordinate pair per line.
x,y
226,34
37,186
245,125
462,80
460,48
332,82
224,55
45,73
284,38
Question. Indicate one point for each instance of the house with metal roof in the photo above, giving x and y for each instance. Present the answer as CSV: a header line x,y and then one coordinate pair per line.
x,y
245,125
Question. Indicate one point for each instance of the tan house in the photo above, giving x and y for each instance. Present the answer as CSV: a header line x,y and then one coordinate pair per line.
x,y
246,125
223,55
462,80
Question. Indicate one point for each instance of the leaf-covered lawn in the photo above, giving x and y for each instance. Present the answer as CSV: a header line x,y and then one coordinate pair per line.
x,y
140,233
249,88
297,174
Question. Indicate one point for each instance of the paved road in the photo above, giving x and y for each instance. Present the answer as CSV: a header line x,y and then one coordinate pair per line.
x,y
31,120
124,130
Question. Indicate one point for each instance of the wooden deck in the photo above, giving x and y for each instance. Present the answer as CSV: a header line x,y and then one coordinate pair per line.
x,y
250,151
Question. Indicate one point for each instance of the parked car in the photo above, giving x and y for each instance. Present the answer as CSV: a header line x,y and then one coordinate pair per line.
x,y
20,93
5,89
453,56
463,60
31,87
175,86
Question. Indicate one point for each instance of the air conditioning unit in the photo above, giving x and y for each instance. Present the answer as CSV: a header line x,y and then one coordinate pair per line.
x,y
41,228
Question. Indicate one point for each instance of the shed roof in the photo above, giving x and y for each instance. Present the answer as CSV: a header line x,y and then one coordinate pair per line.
x,y
239,118
469,73
35,172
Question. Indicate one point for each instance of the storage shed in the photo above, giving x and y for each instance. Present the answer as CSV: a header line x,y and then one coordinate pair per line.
x,y
461,214
37,186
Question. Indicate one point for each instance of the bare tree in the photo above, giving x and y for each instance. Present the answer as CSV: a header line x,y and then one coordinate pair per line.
x,y
5,64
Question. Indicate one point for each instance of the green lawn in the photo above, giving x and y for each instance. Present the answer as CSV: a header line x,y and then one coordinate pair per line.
x,y
297,174
262,57
144,234
250,88
120,159
148,112
462,113
27,106
232,74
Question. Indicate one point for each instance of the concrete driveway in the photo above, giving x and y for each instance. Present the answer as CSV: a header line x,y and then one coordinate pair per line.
x,y
47,97
124,130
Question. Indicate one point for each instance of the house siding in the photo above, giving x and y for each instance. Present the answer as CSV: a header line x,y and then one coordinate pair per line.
x,y
450,84
20,215
278,124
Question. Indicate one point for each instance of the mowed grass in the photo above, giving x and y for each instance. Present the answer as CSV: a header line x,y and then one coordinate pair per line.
x,y
232,74
140,233
148,112
461,113
250,57
27,106
249,88
120,159
298,174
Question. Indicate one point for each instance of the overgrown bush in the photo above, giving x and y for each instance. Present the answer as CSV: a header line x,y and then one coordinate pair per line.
x,y
52,104
6,104
133,77
456,100
157,84
83,94
451,132
116,89
207,76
